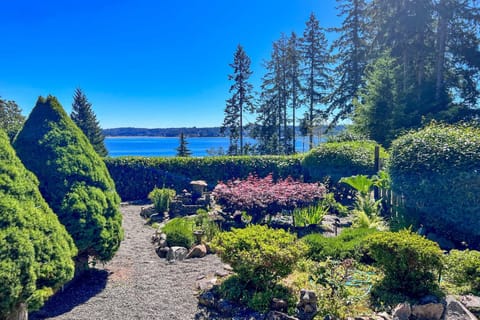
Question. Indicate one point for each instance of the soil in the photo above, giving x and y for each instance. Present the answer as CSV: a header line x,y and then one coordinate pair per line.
x,y
135,284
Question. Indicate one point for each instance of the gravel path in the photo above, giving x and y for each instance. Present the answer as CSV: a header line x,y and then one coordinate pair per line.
x,y
136,284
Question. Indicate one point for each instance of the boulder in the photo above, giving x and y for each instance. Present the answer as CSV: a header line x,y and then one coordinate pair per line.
x,y
454,310
176,253
429,311
162,252
472,303
307,305
199,251
279,305
402,311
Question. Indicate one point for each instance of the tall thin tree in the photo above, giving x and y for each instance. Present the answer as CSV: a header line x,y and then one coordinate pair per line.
x,y
84,117
240,101
316,72
182,150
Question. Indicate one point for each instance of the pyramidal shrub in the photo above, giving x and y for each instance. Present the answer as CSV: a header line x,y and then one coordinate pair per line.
x,y
73,180
36,251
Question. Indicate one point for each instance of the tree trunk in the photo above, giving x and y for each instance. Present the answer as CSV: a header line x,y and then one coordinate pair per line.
x,y
20,312
441,48
81,264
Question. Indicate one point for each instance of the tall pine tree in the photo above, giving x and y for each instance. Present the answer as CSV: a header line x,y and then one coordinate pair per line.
x,y
240,101
83,116
182,150
316,72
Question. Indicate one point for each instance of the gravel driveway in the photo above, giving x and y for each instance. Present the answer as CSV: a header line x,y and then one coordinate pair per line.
x,y
136,284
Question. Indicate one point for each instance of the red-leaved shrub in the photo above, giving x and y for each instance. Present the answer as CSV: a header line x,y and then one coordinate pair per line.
x,y
259,196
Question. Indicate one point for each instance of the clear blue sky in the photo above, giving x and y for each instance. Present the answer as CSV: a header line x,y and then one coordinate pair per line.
x,y
143,63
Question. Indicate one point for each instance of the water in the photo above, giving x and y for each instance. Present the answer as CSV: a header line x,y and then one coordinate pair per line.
x,y
167,147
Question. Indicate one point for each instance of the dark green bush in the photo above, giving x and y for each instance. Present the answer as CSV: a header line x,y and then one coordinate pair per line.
x,y
73,180
463,269
410,262
341,159
179,232
35,249
161,198
437,169
135,177
259,255
346,245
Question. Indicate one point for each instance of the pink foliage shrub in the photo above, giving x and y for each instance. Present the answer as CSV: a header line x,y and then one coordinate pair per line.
x,y
262,195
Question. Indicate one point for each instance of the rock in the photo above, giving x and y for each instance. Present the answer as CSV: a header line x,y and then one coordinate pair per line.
x,y
227,267
402,311
307,305
163,236
429,311
279,305
276,315
199,251
222,273
176,253
156,217
162,243
207,299
472,303
206,283
456,311
384,316
162,252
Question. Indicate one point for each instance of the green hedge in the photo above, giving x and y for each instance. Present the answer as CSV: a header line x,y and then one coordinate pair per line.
x,y
341,159
135,177
437,169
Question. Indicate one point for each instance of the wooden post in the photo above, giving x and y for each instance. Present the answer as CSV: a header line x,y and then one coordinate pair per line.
x,y
376,165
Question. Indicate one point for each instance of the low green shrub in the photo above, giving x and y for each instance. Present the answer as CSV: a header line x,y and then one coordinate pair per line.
x,y
179,232
341,159
259,255
311,215
410,262
437,170
203,222
463,269
161,198
346,245
135,177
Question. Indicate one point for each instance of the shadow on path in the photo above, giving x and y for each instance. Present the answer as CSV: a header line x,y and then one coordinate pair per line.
x,y
79,291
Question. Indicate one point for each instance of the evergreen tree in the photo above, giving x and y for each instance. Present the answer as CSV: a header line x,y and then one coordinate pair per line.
x,y
35,249
351,49
240,101
379,106
316,72
73,180
294,61
11,118
83,116
182,150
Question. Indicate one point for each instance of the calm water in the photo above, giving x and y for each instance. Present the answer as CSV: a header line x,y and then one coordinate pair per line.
x,y
166,147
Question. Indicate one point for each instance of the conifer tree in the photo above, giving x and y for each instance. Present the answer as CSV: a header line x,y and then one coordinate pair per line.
x,y
316,72
84,117
36,251
182,150
11,118
73,180
240,102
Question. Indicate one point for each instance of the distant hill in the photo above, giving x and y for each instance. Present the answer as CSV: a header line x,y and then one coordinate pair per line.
x,y
162,132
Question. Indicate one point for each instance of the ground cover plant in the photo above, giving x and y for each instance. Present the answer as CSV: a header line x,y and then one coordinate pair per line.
x,y
179,232
161,198
73,180
36,252
259,196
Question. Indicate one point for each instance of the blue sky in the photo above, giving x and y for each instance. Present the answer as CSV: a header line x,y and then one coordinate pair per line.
x,y
144,63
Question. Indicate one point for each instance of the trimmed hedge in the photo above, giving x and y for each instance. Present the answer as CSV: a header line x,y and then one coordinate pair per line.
x,y
341,159
437,169
135,177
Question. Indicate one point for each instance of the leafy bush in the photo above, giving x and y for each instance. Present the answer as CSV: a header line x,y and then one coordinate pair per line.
x,y
179,232
135,177
161,198
73,180
346,245
258,195
259,255
35,249
411,263
437,169
341,159
463,269
303,217
203,222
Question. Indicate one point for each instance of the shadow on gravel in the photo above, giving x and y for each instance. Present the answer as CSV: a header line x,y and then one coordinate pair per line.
x,y
79,291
